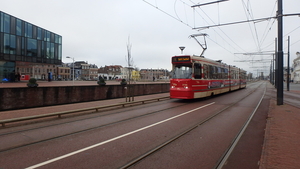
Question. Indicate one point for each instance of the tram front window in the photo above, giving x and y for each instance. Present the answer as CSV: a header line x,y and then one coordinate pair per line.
x,y
182,72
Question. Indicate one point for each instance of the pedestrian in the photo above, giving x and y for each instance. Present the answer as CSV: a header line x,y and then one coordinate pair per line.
x,y
19,76
49,77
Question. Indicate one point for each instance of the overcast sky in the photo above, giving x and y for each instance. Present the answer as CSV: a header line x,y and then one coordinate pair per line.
x,y
97,31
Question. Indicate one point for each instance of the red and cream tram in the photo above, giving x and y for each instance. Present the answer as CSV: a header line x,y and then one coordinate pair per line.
x,y
197,77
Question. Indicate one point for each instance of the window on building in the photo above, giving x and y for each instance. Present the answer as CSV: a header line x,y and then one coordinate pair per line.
x,y
47,36
12,44
39,34
1,23
13,25
34,32
59,52
31,47
48,50
56,39
52,37
51,50
6,44
29,30
6,23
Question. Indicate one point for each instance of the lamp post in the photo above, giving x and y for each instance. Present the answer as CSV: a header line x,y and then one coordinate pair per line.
x,y
73,67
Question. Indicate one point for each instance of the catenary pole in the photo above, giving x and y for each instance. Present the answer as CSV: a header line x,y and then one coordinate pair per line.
x,y
280,55
273,70
276,64
288,67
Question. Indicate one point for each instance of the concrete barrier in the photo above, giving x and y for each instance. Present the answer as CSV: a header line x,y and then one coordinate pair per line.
x,y
25,97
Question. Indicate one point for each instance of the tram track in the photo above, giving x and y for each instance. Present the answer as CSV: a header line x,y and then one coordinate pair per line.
x,y
228,150
182,104
57,125
102,113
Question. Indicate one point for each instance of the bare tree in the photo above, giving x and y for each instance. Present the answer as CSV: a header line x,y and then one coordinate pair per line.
x,y
129,61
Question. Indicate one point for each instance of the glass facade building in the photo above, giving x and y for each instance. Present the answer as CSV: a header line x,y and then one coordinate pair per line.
x,y
21,41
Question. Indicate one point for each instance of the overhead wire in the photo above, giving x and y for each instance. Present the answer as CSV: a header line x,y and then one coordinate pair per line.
x,y
273,43
249,12
175,10
167,13
222,32
195,12
185,12
178,19
264,36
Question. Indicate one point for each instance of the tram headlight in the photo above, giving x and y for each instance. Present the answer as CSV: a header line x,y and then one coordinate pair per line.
x,y
185,87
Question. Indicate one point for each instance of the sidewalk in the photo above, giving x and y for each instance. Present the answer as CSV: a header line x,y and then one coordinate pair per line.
x,y
52,109
281,148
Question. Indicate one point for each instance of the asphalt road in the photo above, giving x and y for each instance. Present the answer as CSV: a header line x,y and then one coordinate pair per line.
x,y
113,138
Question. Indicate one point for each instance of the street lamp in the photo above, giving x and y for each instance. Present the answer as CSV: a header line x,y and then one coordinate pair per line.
x,y
181,48
73,67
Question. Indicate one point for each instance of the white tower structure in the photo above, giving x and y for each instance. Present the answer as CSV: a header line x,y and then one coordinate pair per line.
x,y
296,67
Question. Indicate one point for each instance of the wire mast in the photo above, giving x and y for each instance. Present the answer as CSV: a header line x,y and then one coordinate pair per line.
x,y
204,45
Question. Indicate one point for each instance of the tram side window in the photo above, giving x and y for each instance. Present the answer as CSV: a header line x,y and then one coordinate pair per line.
x,y
210,72
205,71
231,74
225,73
197,71
235,74
219,73
222,73
243,75
214,72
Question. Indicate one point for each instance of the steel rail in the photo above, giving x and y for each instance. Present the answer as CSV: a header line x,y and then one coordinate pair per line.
x,y
59,114
74,132
228,152
136,160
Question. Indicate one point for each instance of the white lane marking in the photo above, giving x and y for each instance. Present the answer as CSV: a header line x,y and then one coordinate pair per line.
x,y
113,139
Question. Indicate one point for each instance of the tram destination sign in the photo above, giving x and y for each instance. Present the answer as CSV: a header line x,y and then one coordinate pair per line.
x,y
181,59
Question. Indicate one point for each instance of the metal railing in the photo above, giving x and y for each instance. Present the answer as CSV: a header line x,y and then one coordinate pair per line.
x,y
59,114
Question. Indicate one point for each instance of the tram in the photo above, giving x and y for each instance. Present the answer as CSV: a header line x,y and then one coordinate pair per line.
x,y
198,77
